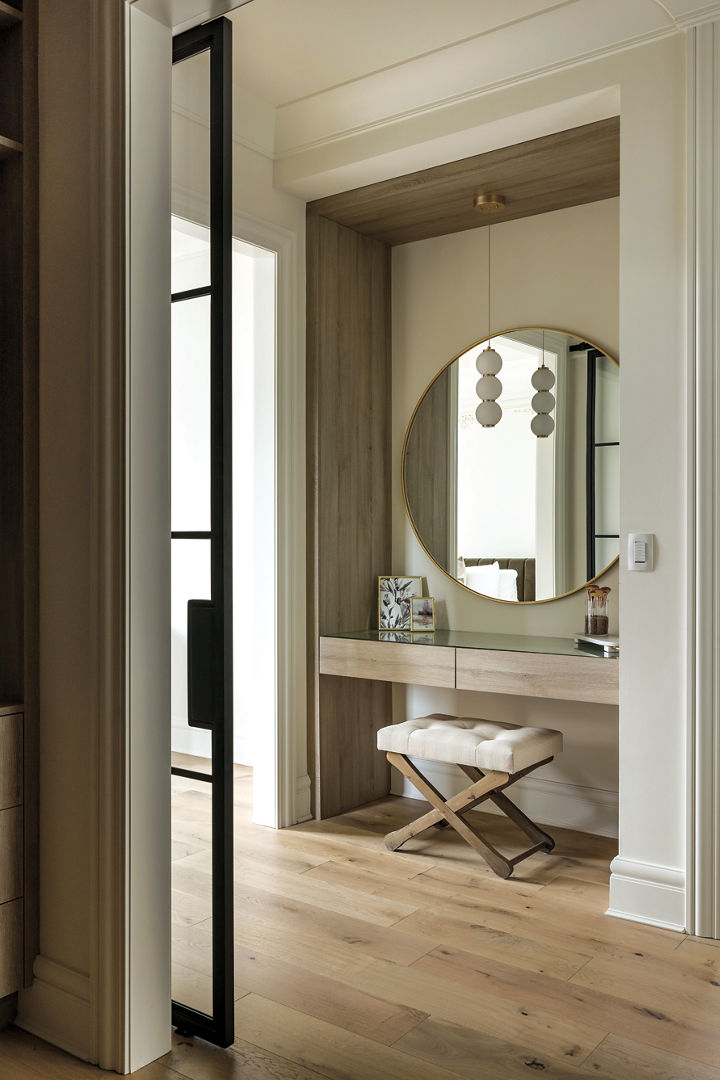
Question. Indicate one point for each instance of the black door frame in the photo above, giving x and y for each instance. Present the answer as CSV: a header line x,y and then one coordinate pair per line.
x,y
210,661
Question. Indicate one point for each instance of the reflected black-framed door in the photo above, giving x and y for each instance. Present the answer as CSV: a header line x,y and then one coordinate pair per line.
x,y
201,535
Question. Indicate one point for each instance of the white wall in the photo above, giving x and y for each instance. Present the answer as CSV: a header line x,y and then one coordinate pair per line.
x,y
440,301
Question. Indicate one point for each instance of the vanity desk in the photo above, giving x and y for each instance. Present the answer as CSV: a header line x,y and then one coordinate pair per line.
x,y
545,667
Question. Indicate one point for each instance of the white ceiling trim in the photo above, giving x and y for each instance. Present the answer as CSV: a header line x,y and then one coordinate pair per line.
x,y
183,14
314,176
347,132
555,40
687,13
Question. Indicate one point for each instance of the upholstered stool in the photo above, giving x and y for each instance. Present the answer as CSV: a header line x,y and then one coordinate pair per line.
x,y
492,755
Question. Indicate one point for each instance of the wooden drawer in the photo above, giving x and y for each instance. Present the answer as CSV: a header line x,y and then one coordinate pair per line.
x,y
11,854
11,761
11,947
388,661
568,678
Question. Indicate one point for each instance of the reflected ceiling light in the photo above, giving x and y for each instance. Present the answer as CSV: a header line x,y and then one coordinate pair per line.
x,y
488,363
543,402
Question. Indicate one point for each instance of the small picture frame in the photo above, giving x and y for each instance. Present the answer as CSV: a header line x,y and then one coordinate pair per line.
x,y
394,596
422,613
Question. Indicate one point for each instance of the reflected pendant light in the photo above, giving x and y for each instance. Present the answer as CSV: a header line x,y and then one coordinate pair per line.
x,y
543,402
488,363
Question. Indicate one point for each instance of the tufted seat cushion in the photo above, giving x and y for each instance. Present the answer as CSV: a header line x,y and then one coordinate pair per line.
x,y
485,744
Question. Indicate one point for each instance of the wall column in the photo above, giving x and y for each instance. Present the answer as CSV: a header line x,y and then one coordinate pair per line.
x,y
703,189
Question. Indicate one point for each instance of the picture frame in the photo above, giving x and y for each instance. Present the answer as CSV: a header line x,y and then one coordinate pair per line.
x,y
395,591
422,613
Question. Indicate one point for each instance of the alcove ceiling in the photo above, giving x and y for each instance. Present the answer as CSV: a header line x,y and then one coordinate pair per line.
x,y
535,177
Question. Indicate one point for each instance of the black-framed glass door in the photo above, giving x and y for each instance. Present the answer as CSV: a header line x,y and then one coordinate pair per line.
x,y
201,549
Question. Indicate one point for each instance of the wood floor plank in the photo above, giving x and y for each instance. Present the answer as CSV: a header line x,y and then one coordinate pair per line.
x,y
327,1049
624,1059
414,989
318,923
461,1050
324,894
325,998
242,1061
675,985
670,1030
522,952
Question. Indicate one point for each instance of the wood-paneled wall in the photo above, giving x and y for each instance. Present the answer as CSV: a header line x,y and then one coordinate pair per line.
x,y
349,512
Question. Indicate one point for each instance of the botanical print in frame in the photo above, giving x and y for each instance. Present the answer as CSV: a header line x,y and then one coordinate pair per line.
x,y
394,596
422,613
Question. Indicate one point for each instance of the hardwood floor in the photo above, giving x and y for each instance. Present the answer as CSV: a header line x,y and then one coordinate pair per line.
x,y
354,963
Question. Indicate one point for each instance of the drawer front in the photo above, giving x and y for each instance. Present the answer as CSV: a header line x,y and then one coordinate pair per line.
x,y
11,761
11,854
567,678
11,947
388,661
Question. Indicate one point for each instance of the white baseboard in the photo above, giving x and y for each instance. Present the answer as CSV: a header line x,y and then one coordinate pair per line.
x,y
303,804
643,892
196,742
549,802
57,1008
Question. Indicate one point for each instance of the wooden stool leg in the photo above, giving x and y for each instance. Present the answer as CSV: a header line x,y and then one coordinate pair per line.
x,y
508,807
471,796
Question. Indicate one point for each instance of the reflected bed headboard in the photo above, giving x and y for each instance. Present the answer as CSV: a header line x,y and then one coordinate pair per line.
x,y
525,573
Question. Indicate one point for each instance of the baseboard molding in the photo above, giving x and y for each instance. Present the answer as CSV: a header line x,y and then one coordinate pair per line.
x,y
549,802
57,1008
643,892
195,741
303,799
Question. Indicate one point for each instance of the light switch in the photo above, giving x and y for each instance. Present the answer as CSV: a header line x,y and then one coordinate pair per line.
x,y
641,551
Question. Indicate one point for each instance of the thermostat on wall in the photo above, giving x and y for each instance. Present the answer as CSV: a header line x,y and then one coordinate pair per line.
x,y
640,551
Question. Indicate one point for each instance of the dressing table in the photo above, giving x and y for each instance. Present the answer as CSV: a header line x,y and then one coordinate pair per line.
x,y
546,667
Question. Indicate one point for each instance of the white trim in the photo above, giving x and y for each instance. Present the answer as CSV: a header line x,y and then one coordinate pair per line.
x,y
703,732
551,802
59,1009
293,782
147,1028
643,892
416,112
699,16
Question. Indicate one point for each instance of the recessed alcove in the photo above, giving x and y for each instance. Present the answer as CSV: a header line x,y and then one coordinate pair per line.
x,y
352,436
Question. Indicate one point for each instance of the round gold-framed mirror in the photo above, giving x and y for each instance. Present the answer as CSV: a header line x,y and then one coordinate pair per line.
x,y
511,465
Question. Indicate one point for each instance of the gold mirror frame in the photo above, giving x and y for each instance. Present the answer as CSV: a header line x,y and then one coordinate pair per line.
x,y
474,345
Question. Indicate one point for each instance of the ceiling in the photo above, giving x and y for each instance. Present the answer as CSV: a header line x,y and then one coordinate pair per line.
x,y
344,93
287,50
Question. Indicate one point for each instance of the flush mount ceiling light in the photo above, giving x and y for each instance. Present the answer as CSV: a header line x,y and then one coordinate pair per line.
x,y
488,363
489,204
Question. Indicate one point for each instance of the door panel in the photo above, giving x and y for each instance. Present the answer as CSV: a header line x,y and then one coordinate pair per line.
x,y
202,565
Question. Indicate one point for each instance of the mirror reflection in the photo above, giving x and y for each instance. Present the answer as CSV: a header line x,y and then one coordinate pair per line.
x,y
511,465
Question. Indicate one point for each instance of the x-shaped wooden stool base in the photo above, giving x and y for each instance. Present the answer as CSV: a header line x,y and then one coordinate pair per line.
x,y
488,785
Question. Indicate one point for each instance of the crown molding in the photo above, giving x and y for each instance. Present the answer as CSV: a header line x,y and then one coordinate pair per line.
x,y
687,13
